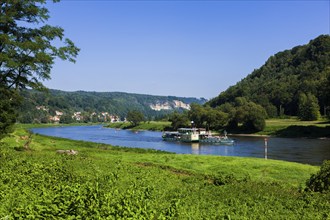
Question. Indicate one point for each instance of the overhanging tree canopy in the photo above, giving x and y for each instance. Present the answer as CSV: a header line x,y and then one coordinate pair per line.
x,y
27,47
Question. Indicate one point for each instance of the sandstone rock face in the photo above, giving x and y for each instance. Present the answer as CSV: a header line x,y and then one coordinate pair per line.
x,y
169,105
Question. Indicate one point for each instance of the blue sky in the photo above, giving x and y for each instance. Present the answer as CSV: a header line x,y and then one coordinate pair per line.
x,y
180,48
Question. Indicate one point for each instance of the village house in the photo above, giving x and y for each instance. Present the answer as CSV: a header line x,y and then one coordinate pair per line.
x,y
41,107
58,113
55,119
77,116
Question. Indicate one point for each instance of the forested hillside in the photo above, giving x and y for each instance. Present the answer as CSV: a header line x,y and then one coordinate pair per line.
x,y
40,106
286,79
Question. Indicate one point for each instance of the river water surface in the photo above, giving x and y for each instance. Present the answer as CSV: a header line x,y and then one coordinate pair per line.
x,y
310,151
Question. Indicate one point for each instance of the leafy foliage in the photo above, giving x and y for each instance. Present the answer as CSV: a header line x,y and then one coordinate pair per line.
x,y
27,52
226,116
278,83
210,118
320,182
116,103
135,117
105,182
179,121
251,115
308,107
27,49
9,100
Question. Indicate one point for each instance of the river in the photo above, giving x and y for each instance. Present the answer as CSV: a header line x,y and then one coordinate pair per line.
x,y
309,151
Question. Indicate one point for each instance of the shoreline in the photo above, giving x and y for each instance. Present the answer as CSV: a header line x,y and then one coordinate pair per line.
x,y
155,129
251,135
272,136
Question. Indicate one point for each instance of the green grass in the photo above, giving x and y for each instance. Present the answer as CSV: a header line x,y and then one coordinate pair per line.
x,y
149,125
275,124
107,182
293,127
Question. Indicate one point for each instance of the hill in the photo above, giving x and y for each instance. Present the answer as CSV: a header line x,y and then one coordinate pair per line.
x,y
57,105
278,84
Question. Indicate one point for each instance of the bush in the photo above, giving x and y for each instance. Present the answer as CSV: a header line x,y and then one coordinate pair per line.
x,y
308,108
320,182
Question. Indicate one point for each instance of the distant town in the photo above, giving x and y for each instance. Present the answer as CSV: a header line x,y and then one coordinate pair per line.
x,y
79,116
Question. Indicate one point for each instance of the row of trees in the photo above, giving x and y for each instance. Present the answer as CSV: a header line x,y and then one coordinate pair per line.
x,y
241,112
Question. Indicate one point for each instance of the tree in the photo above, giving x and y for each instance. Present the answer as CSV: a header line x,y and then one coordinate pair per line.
x,y
325,94
9,101
250,114
135,117
66,118
28,48
215,118
254,118
179,120
308,107
197,114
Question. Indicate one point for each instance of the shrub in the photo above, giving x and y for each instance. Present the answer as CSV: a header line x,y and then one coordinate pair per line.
x,y
320,182
308,107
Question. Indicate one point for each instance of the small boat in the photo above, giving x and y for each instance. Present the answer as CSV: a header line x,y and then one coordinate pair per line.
x,y
216,139
198,135
183,135
171,136
188,134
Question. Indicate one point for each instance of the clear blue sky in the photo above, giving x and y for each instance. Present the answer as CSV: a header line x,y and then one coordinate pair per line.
x,y
181,48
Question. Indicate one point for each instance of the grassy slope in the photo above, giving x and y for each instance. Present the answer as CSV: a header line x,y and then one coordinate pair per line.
x,y
155,185
293,127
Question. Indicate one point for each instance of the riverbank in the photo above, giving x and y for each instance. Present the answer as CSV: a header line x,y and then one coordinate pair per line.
x,y
295,128
104,181
149,125
291,127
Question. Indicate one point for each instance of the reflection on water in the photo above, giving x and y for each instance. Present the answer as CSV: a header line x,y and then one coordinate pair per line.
x,y
311,151
195,148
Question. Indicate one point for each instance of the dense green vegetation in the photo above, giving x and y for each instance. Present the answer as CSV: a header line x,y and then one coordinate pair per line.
x,y
115,103
103,181
320,182
107,182
294,82
308,108
278,84
9,101
290,127
27,53
135,117
242,115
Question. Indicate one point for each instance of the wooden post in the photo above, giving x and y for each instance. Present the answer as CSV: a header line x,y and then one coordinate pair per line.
x,y
266,148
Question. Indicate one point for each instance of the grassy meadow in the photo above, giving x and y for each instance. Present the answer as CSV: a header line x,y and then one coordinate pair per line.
x,y
293,127
149,125
111,182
